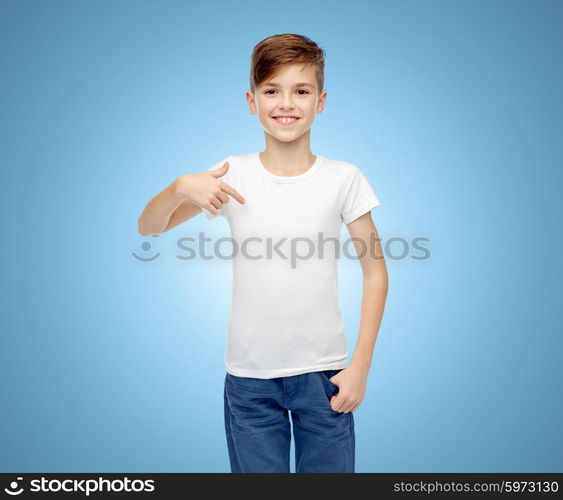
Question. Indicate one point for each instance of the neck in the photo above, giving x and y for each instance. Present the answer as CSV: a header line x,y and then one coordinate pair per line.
x,y
287,158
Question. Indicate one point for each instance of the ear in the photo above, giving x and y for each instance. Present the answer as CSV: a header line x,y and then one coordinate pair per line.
x,y
322,101
251,102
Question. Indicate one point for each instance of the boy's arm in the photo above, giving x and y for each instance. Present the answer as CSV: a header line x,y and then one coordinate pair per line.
x,y
352,381
185,211
186,197
156,217
375,288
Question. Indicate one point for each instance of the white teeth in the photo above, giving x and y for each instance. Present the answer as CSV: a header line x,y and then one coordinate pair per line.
x,y
286,120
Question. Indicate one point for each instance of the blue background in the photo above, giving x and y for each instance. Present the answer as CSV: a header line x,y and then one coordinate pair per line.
x,y
453,112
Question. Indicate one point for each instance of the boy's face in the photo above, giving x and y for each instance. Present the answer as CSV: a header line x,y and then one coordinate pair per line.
x,y
289,97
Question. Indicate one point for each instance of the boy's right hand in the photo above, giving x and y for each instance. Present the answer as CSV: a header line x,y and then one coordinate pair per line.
x,y
207,190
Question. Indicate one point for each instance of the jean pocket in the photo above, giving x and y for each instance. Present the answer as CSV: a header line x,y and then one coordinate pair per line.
x,y
327,374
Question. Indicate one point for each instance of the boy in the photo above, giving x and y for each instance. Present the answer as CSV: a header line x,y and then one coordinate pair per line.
x,y
286,348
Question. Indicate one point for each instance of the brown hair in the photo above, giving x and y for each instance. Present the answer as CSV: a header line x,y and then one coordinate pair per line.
x,y
288,48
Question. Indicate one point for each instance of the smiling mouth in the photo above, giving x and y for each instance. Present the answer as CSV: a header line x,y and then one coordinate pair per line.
x,y
285,121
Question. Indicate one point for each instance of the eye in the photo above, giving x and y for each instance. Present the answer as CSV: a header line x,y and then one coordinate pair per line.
x,y
274,90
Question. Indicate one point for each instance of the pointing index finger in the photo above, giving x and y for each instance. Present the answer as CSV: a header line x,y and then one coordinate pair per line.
x,y
233,192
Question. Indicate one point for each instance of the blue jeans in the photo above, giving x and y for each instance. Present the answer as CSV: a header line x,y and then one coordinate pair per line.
x,y
258,427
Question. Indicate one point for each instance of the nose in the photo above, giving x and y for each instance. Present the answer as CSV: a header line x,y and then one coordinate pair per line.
x,y
286,101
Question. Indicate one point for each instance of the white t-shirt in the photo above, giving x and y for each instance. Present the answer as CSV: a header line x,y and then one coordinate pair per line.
x,y
285,316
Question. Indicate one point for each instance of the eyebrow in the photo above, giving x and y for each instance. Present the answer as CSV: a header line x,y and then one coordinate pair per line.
x,y
306,84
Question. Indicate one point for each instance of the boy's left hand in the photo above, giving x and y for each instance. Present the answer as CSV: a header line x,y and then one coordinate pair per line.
x,y
351,384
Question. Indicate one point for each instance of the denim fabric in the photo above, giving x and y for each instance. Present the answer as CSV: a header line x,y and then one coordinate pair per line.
x,y
258,427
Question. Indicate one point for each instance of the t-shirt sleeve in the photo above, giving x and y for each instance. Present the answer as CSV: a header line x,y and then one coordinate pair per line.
x,y
207,213
359,199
